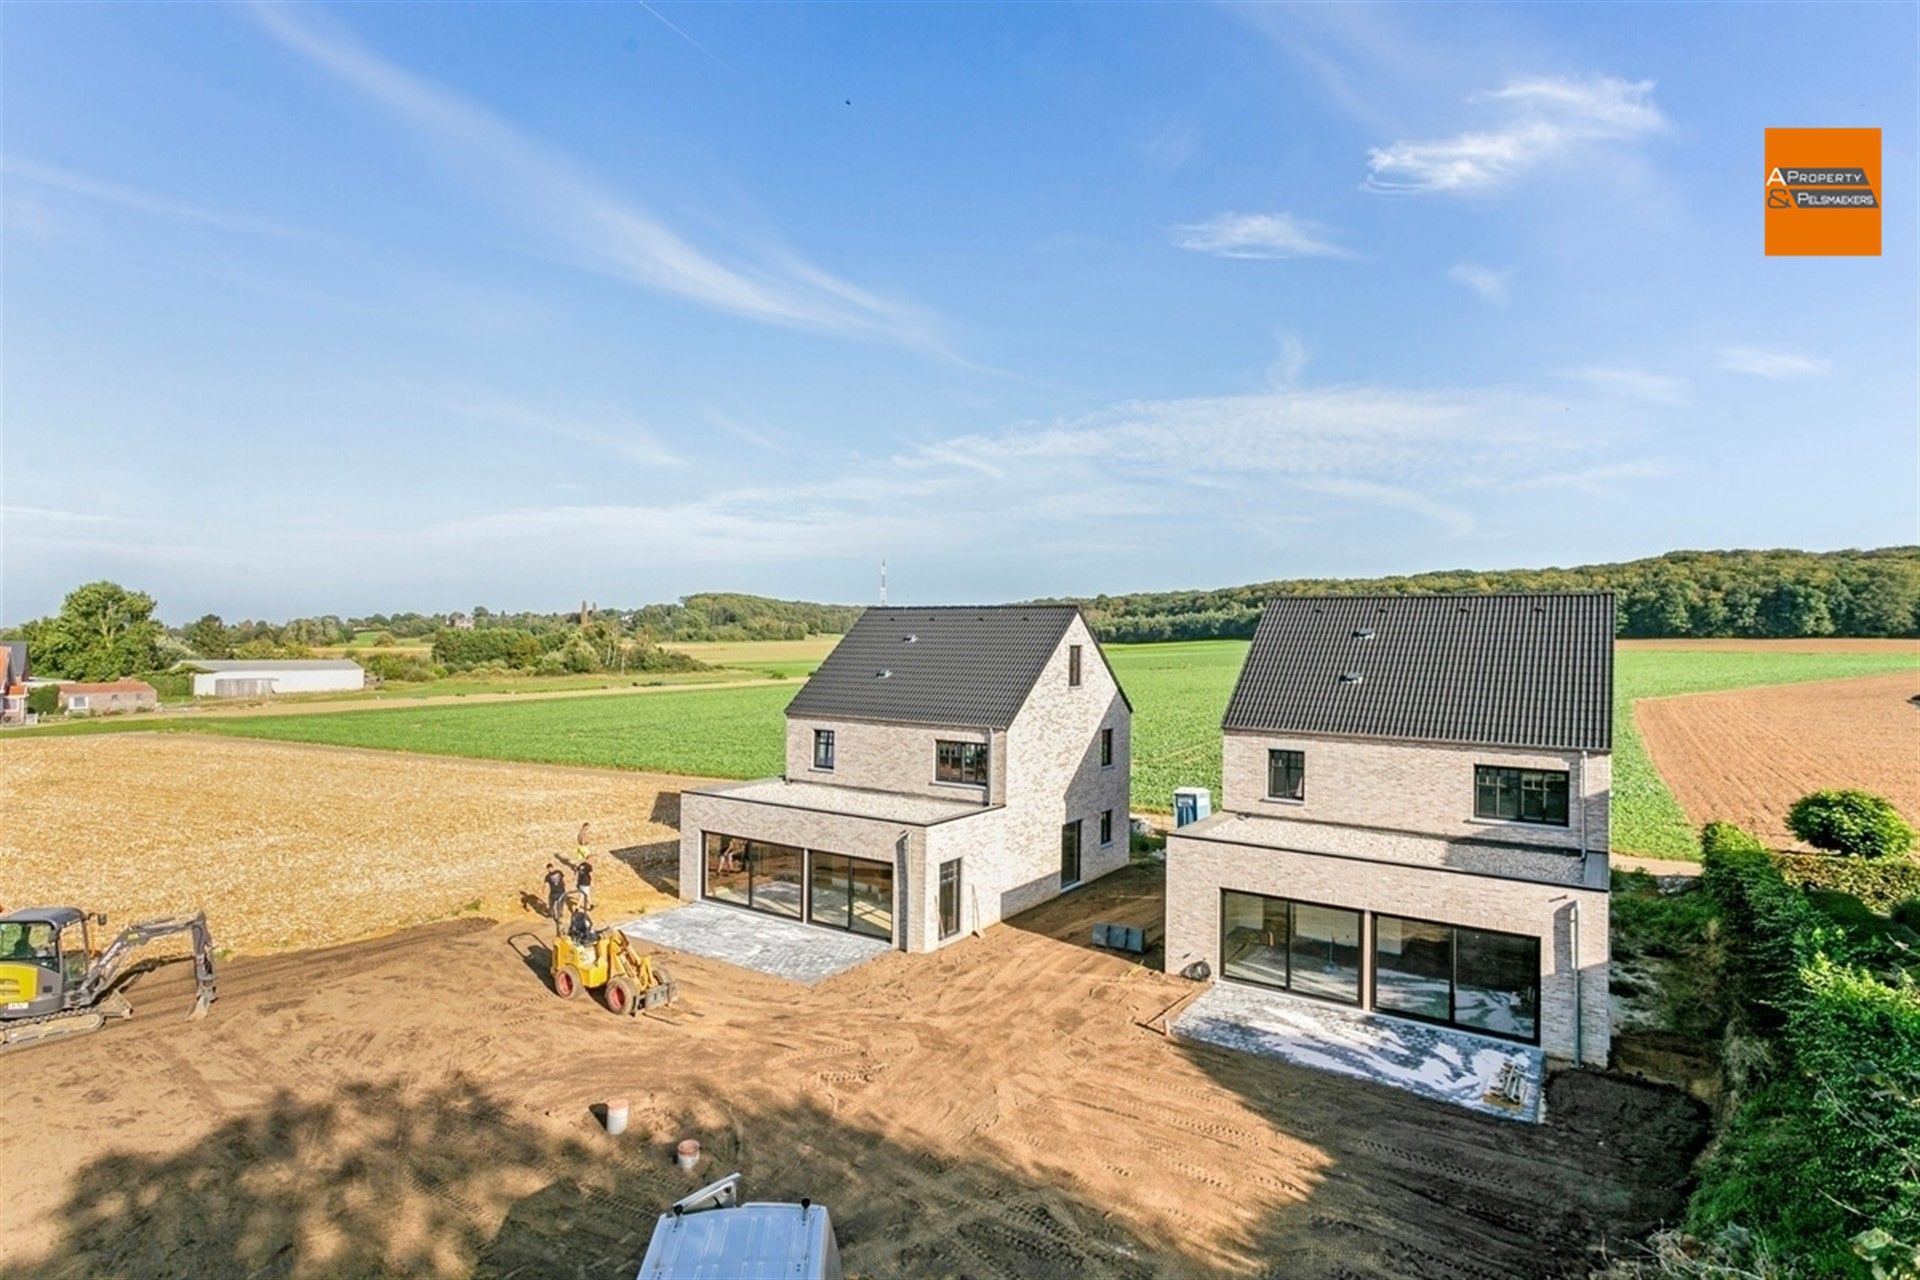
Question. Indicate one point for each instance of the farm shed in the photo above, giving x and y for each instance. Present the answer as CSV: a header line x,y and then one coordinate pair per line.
x,y
258,678
107,697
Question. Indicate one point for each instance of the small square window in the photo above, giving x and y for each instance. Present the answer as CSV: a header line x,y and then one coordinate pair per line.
x,y
1286,775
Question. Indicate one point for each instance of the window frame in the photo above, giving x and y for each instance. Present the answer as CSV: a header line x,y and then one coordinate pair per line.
x,y
1453,977
1274,755
1361,991
1079,829
1106,747
1075,667
1106,828
1514,780
823,737
957,775
940,883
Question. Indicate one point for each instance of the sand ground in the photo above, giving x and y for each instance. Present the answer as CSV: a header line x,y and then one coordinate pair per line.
x,y
1745,755
421,1104
288,845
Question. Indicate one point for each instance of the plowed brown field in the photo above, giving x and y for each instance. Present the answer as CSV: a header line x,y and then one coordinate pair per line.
x,y
1745,755
286,845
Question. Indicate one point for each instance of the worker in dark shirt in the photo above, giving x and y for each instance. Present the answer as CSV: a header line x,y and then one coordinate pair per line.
x,y
583,879
556,893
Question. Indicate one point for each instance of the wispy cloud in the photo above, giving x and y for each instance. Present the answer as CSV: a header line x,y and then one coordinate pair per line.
x,y
1771,363
1601,479
1289,360
113,193
1547,118
548,193
612,434
758,437
1655,388
1258,235
1491,285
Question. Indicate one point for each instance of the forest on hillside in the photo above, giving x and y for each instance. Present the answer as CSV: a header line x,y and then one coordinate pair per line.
x,y
1757,594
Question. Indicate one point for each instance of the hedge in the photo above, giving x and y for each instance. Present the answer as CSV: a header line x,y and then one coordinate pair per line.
x,y
1881,883
1822,1162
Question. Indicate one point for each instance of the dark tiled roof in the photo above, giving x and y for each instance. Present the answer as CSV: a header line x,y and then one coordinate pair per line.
x,y
964,666
1501,670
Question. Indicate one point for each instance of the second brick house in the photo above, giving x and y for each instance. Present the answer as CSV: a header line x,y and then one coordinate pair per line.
x,y
1414,816
945,768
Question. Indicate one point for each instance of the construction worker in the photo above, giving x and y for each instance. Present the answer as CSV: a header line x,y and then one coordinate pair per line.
x,y
556,894
583,867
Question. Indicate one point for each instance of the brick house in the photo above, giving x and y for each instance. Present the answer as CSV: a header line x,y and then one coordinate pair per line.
x,y
14,671
107,697
945,768
1414,816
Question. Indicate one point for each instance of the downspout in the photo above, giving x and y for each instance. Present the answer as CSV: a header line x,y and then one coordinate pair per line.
x,y
1573,929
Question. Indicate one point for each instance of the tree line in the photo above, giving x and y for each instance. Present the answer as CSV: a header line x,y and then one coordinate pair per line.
x,y
1747,594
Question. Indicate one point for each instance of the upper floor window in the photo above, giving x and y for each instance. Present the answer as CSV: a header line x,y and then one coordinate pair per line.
x,y
1106,826
1073,665
1286,775
960,762
1106,747
1520,795
823,748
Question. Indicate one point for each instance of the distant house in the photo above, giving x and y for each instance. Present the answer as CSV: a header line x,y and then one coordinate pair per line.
x,y
107,697
460,621
1414,821
13,681
946,768
264,677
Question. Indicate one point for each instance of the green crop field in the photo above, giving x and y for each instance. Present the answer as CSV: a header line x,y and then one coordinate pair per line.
x,y
1179,692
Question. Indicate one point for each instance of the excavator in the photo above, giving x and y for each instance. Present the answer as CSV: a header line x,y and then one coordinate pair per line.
x,y
54,984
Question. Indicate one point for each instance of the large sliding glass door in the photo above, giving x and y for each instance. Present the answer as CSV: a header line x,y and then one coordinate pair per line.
x,y
1295,946
1476,979
855,894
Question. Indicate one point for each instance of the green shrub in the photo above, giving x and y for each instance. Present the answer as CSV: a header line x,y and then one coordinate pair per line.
x,y
1907,913
1881,883
1769,923
43,699
1855,824
397,667
550,664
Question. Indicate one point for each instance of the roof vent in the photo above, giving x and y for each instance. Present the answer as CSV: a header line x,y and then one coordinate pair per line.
x,y
1351,677
910,638
884,673
1363,633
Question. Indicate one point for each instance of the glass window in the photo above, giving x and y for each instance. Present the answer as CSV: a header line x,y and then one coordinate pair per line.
x,y
1287,775
1497,983
754,873
1106,826
830,894
1253,938
727,868
1520,795
960,762
1070,854
1073,665
1413,968
949,898
1326,952
1295,946
823,748
872,898
1106,747
1473,978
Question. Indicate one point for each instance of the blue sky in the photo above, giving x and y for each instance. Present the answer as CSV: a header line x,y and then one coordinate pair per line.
x,y
341,309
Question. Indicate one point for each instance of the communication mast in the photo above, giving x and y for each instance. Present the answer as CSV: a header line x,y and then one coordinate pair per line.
x,y
883,582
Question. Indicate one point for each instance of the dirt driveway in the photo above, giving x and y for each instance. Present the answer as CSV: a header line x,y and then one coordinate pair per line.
x,y
419,1105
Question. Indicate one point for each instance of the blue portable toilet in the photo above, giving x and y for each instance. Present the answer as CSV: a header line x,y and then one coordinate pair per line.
x,y
1190,804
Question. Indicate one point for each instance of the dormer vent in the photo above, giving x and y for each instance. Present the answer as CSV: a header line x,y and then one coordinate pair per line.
x,y
884,673
1351,677
1363,633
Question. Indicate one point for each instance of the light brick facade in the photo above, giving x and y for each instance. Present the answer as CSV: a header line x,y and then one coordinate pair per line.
x,y
1044,771
1388,828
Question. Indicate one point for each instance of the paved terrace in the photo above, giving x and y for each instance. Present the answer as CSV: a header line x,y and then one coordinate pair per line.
x,y
1511,859
822,797
1434,1062
803,953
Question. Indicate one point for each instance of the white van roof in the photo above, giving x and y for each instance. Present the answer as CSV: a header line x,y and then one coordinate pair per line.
x,y
746,1242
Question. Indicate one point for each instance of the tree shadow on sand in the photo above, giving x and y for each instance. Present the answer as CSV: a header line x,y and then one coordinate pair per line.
x,y
658,864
